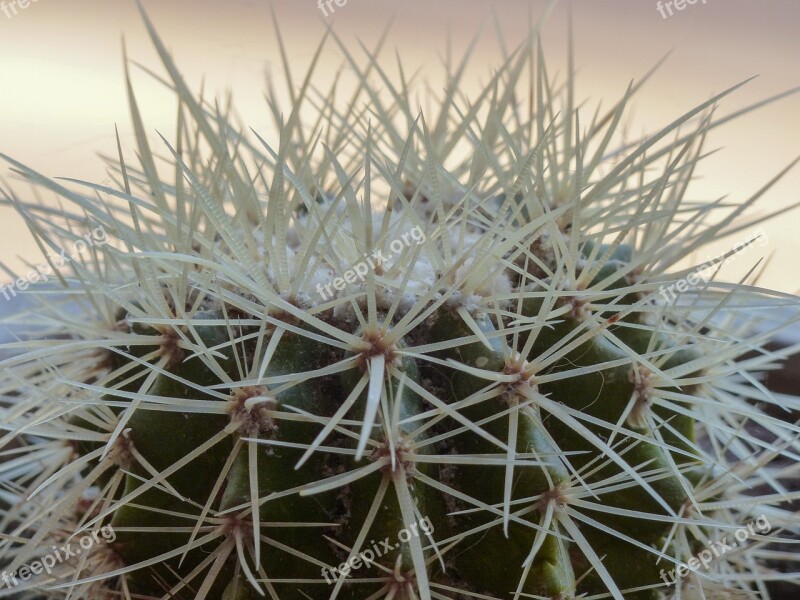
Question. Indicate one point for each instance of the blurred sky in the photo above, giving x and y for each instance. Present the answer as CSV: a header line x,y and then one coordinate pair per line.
x,y
62,88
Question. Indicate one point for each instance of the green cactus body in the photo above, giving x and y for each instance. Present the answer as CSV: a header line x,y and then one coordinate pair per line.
x,y
551,573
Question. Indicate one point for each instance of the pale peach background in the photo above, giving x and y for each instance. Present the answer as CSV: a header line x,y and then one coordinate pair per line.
x,y
61,85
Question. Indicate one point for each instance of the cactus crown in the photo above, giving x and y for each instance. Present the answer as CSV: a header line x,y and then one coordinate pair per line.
x,y
395,355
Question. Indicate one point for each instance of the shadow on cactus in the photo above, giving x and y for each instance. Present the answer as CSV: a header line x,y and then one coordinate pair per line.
x,y
394,355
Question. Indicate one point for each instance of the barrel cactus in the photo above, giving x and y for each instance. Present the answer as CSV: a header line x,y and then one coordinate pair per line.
x,y
393,354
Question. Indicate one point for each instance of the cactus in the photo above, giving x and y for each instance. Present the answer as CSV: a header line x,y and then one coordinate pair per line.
x,y
360,362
